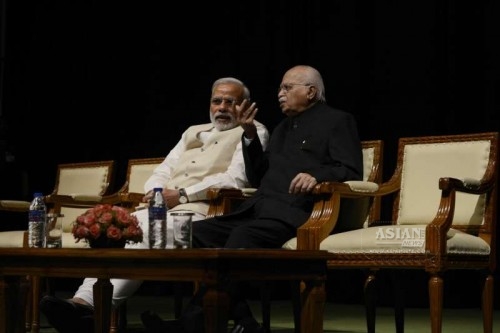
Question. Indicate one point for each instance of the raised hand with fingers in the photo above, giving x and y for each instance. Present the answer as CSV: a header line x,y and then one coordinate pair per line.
x,y
245,114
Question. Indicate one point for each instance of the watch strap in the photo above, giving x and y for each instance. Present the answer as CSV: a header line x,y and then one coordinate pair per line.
x,y
182,193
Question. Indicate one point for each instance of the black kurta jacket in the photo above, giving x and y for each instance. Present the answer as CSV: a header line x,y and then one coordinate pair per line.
x,y
321,141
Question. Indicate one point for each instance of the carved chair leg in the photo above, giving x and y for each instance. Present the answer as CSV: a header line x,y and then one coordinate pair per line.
x,y
487,303
25,300
370,292
29,303
398,295
436,302
36,282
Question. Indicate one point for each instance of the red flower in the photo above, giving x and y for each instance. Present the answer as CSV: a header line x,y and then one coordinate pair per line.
x,y
109,221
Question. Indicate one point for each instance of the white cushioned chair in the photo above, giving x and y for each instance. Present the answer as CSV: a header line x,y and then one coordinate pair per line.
x,y
444,195
78,186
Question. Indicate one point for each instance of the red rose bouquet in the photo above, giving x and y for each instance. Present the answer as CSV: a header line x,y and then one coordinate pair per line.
x,y
112,222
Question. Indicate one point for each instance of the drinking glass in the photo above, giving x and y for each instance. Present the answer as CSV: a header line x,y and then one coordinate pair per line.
x,y
53,234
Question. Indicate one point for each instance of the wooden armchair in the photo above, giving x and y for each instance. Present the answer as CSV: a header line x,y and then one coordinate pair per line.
x,y
223,201
444,195
78,186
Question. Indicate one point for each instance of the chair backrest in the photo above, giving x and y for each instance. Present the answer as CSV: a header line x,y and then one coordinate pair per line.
x,y
86,178
355,213
423,161
69,216
138,171
90,179
372,160
373,152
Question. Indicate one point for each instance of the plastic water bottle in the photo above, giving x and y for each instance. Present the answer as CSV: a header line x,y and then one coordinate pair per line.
x,y
157,212
37,220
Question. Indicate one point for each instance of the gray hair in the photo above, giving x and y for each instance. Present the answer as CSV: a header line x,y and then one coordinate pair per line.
x,y
246,91
313,76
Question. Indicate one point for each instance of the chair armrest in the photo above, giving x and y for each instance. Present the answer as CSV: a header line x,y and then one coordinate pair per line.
x,y
132,200
436,231
217,193
362,186
223,200
472,186
324,216
86,197
73,199
248,192
141,206
14,205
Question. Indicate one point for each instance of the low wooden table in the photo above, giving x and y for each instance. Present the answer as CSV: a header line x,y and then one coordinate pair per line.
x,y
213,267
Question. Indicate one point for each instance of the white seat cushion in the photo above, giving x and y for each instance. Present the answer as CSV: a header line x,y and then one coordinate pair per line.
x,y
396,239
12,238
15,239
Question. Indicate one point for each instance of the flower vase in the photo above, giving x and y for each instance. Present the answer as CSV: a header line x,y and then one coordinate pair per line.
x,y
106,243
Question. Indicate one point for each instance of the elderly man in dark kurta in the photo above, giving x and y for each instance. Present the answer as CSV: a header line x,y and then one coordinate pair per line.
x,y
315,143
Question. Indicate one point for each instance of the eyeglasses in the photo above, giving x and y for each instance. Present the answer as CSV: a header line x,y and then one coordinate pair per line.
x,y
220,100
286,87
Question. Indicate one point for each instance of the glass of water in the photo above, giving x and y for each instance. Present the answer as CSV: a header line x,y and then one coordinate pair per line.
x,y
53,232
182,229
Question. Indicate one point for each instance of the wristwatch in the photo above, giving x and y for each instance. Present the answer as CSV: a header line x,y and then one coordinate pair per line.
x,y
183,198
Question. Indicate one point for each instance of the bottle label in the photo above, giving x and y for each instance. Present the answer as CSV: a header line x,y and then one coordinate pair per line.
x,y
157,213
157,227
36,228
37,216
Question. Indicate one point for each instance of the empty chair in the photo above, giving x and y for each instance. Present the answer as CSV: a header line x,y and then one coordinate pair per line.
x,y
444,195
78,186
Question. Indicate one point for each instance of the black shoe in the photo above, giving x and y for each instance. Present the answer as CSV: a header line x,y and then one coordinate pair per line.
x,y
154,324
247,325
67,316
